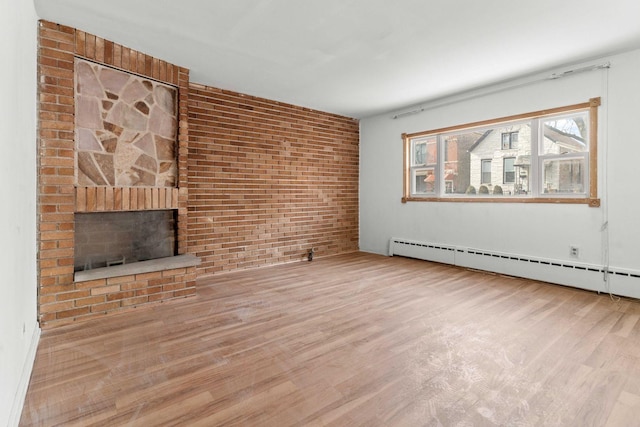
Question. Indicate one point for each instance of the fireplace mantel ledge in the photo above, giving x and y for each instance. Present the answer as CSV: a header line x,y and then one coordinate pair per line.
x,y
159,264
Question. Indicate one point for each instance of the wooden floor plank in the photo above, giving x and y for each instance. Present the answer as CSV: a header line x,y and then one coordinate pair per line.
x,y
356,339
625,411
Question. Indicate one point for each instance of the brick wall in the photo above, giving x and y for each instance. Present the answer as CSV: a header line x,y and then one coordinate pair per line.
x,y
268,181
259,182
61,300
118,293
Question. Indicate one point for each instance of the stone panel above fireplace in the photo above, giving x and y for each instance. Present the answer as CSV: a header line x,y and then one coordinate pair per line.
x,y
126,128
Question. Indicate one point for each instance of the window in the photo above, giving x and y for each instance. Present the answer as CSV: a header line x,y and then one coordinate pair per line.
x,y
423,165
564,154
509,170
448,187
509,140
546,156
420,153
486,172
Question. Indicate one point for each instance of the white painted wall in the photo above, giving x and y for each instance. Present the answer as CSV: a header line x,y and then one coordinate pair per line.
x,y
19,330
548,229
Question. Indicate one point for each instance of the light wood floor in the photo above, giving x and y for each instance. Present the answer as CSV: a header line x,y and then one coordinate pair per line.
x,y
351,340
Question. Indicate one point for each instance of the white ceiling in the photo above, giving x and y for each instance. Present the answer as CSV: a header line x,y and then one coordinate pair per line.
x,y
358,57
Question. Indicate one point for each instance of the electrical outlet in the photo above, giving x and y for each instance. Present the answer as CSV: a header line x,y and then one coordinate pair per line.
x,y
574,251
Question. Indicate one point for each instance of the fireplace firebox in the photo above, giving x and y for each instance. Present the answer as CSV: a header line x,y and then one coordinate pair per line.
x,y
104,239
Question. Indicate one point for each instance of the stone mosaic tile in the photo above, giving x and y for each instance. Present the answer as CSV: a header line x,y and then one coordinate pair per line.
x,y
126,129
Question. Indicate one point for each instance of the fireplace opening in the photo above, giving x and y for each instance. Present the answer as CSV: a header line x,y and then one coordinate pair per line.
x,y
104,239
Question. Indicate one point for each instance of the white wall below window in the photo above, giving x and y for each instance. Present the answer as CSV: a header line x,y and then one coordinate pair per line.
x,y
534,230
19,330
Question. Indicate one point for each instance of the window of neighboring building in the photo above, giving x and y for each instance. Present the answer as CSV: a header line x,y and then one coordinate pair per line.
x,y
420,186
508,170
420,152
486,172
509,140
448,187
447,147
552,158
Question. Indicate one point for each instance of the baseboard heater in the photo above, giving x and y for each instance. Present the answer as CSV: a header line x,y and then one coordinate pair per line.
x,y
580,275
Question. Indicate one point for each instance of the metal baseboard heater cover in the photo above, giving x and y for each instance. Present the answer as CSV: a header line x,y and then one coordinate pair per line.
x,y
579,275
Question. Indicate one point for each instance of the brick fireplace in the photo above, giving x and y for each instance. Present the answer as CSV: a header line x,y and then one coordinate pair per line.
x,y
77,175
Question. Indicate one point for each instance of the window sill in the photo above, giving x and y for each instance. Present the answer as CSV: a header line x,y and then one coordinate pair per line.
x,y
594,203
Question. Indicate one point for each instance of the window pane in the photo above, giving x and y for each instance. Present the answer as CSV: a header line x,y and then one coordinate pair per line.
x,y
487,157
509,140
565,134
424,181
505,141
457,164
486,172
564,176
419,153
425,151
509,170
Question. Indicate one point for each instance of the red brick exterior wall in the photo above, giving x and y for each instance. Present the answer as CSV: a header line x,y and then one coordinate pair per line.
x,y
268,181
60,299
